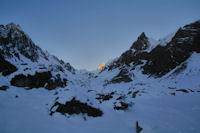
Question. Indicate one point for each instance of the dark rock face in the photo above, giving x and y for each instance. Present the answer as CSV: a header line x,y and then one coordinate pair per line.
x,y
76,107
157,65
163,59
129,57
141,43
5,67
33,81
122,77
52,84
38,80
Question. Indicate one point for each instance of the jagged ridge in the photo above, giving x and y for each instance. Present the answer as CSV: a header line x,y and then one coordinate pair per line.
x,y
160,59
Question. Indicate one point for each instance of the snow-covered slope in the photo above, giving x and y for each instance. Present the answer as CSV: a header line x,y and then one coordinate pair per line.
x,y
163,41
154,87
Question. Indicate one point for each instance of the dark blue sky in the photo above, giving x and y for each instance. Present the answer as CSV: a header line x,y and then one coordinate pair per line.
x,y
87,33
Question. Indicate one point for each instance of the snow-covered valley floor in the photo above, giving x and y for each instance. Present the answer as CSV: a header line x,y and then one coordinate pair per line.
x,y
29,113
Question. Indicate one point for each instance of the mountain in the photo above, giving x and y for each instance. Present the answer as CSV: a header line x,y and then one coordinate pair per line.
x,y
27,65
157,58
152,87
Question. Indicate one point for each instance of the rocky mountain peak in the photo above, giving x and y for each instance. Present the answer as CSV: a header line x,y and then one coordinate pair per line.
x,y
13,26
13,37
142,35
141,43
10,29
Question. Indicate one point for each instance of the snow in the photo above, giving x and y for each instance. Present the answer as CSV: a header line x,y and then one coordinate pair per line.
x,y
154,107
163,41
166,39
152,44
155,113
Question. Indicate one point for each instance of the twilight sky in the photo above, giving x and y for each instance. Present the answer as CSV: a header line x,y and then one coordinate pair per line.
x,y
87,33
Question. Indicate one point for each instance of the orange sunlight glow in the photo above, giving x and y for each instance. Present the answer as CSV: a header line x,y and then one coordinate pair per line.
x,y
100,67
